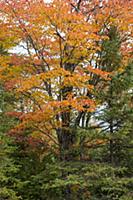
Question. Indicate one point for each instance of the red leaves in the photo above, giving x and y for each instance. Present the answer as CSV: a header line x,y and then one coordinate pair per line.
x,y
99,72
9,85
14,114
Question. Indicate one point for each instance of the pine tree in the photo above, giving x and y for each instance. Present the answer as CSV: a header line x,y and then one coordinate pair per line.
x,y
8,169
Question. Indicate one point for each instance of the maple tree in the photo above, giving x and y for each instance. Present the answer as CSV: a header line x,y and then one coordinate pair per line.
x,y
56,75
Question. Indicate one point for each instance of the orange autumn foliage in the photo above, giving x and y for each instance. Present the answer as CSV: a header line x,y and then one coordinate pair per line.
x,y
59,41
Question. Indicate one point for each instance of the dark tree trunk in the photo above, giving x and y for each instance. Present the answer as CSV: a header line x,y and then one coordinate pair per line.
x,y
66,140
66,136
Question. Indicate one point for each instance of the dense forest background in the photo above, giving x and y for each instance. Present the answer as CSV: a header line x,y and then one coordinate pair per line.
x,y
66,100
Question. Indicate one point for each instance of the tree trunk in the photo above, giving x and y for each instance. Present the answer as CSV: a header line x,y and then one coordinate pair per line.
x,y
66,137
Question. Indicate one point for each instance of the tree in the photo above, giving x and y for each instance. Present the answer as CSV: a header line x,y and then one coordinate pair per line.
x,y
53,75
8,168
115,113
57,76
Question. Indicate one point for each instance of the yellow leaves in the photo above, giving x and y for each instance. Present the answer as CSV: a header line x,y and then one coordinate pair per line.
x,y
67,79
6,38
40,95
121,69
58,77
4,63
76,80
56,72
27,84
81,103
40,98
8,74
